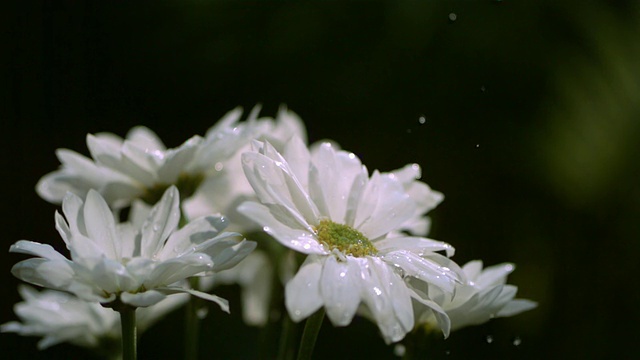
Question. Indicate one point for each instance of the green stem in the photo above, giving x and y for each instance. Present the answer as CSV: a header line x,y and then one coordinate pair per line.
x,y
192,323
310,334
285,351
129,340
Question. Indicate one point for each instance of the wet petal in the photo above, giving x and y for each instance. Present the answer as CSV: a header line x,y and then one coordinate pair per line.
x,y
223,303
100,225
173,270
36,249
423,269
516,306
494,275
302,293
142,299
336,286
300,240
417,245
162,221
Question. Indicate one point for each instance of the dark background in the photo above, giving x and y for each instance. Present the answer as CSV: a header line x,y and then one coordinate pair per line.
x,y
532,124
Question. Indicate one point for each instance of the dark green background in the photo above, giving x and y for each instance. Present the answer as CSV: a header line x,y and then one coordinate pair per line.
x,y
532,125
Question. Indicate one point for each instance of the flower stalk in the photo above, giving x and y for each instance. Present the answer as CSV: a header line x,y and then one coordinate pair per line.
x,y
129,336
192,323
310,334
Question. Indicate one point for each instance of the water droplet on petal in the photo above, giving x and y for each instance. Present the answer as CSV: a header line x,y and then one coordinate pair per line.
x,y
219,166
266,229
489,339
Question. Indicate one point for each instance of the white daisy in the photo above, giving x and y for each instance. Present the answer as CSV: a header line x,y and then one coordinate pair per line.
x,y
137,265
60,317
229,188
483,295
324,204
140,166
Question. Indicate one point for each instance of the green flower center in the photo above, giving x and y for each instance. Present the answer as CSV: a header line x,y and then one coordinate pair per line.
x,y
187,185
344,238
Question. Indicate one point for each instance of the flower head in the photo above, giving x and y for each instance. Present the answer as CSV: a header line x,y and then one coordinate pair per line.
x,y
137,265
229,188
140,166
325,204
482,296
62,317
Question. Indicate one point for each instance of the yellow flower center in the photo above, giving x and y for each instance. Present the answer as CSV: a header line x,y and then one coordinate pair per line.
x,y
344,238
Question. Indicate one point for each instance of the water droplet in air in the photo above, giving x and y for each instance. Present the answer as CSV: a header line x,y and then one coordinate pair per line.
x,y
489,339
477,145
408,131
399,350
517,341
202,312
453,16
422,119
482,88
447,352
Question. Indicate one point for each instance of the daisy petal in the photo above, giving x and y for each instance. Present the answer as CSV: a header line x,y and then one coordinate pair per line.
x,y
336,286
300,240
36,249
494,275
142,299
223,303
162,221
302,293
423,269
516,306
100,225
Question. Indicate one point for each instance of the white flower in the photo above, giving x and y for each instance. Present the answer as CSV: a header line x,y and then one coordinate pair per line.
x,y
229,188
136,265
61,317
324,204
140,166
483,296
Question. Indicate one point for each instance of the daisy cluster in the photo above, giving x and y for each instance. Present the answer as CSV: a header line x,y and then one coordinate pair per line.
x,y
139,220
